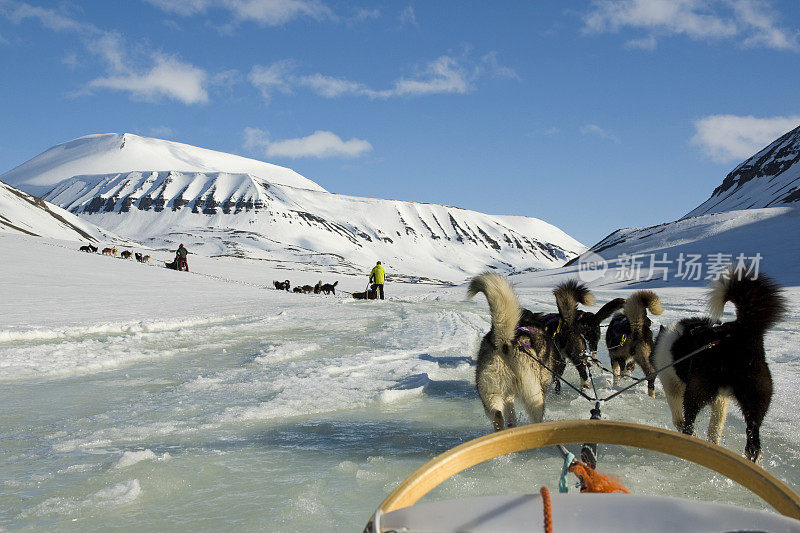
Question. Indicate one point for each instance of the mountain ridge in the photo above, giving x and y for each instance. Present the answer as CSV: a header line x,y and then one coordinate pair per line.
x,y
126,152
289,221
769,178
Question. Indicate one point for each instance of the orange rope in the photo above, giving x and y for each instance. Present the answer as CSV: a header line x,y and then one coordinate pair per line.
x,y
593,481
548,515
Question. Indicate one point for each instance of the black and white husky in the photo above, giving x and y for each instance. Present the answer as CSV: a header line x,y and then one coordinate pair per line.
x,y
635,345
736,366
504,371
568,340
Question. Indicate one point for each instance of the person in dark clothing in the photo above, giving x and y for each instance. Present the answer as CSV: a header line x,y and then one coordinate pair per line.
x,y
180,258
378,277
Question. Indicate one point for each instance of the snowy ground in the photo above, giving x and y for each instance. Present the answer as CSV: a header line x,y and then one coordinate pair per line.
x,y
147,399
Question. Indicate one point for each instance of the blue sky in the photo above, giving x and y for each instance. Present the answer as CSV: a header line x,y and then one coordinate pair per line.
x,y
591,115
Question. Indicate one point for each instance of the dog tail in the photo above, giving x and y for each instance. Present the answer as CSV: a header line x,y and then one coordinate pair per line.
x,y
609,309
759,302
503,305
335,283
637,305
568,295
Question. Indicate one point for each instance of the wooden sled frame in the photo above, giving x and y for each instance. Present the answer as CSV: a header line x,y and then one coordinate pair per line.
x,y
747,474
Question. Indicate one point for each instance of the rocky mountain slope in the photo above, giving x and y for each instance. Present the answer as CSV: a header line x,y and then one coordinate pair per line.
x,y
288,222
771,178
22,213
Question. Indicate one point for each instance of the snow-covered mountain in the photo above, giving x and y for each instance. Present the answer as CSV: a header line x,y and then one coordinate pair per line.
x,y
21,213
686,251
233,212
752,214
125,152
771,178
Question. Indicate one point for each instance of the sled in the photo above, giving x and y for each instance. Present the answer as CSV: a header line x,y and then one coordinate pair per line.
x,y
585,512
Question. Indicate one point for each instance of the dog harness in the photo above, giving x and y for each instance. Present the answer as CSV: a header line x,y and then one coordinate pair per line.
x,y
551,323
618,332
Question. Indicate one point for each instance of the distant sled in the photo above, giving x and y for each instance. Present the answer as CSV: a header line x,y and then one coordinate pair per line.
x,y
173,265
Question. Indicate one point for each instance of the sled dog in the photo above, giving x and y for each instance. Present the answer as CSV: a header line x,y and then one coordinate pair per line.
x,y
568,342
327,288
630,340
735,366
505,372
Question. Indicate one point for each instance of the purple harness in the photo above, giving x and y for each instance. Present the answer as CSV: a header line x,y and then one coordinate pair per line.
x,y
619,330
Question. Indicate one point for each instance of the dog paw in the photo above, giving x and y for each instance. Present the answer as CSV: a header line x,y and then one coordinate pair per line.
x,y
651,393
753,455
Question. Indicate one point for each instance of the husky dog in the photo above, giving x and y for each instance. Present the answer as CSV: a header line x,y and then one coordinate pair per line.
x,y
318,287
281,285
327,288
110,251
139,257
589,323
504,371
88,248
635,345
567,339
298,289
736,366
146,259
307,289
126,254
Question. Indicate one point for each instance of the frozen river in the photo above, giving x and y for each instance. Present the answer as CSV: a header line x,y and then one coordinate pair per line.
x,y
301,413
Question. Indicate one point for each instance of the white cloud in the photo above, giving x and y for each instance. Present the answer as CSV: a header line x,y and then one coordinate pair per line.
x,y
320,144
162,76
261,12
226,78
50,19
277,12
763,25
111,48
363,15
255,139
490,64
751,22
70,60
408,16
444,75
729,138
594,129
168,78
646,43
275,77
331,87
160,131
183,8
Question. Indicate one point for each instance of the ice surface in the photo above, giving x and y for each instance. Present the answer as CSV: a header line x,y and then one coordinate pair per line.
x,y
279,411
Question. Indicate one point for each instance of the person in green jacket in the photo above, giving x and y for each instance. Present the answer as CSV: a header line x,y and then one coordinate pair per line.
x,y
378,277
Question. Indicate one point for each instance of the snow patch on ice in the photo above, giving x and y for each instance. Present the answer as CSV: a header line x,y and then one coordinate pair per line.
x,y
109,497
130,458
285,352
143,326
